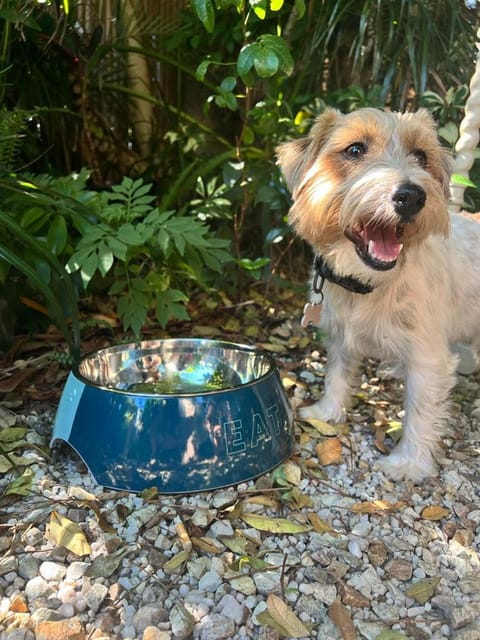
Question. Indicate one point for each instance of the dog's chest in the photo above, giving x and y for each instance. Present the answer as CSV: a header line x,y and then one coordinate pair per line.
x,y
371,325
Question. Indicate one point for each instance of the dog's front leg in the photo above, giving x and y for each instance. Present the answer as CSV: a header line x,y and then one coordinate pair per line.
x,y
340,377
427,386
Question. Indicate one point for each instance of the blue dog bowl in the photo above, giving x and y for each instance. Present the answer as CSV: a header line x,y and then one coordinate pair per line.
x,y
181,415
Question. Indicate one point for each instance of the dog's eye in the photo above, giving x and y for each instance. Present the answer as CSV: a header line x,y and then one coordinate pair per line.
x,y
420,156
355,151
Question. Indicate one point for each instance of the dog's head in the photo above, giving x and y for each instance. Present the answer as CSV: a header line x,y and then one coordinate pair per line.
x,y
367,186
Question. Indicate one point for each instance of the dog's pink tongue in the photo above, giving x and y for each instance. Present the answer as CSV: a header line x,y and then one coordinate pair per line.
x,y
383,243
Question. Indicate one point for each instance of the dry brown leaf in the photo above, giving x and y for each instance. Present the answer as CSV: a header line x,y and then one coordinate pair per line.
x,y
377,507
182,533
210,545
267,500
340,616
435,512
325,428
329,451
283,619
319,525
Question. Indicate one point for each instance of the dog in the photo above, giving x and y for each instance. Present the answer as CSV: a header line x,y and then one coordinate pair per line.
x,y
395,277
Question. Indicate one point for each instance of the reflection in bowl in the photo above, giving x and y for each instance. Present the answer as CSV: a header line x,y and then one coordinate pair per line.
x,y
180,415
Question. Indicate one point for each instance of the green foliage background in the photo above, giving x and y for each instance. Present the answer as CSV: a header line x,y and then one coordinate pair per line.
x,y
137,147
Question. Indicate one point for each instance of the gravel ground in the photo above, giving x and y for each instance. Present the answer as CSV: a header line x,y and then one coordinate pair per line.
x,y
355,556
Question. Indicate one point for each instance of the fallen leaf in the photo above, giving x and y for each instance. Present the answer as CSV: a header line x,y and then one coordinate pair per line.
x,y
20,486
173,564
391,635
150,494
81,494
325,428
11,461
182,533
209,545
274,525
423,590
280,617
319,525
340,616
236,543
257,564
68,534
266,500
287,474
377,507
7,418
105,566
435,512
11,435
329,451
272,348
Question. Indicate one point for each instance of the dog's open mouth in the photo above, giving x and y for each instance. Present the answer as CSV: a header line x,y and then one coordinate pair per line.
x,y
379,247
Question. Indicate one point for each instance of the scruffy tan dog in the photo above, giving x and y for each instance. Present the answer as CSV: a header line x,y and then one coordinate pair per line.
x,y
398,277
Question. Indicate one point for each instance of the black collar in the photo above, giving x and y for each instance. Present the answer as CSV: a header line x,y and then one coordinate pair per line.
x,y
323,272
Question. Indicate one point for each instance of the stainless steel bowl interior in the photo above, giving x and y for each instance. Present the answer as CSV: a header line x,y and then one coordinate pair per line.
x,y
183,366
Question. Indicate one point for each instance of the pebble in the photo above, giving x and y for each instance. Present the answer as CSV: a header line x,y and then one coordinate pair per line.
x,y
210,581
52,571
218,590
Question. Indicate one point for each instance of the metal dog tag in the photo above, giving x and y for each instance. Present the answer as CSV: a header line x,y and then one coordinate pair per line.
x,y
311,314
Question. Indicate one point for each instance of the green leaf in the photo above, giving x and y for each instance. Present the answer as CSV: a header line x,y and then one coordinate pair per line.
x,y
105,260
205,13
57,235
246,59
274,525
89,267
279,47
21,486
169,305
391,635
202,69
266,63
128,233
259,8
463,181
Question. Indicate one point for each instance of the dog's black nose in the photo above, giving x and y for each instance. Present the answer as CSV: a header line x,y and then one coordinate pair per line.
x,y
408,199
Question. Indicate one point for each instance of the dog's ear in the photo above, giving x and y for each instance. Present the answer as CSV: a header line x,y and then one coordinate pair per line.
x,y
444,166
296,157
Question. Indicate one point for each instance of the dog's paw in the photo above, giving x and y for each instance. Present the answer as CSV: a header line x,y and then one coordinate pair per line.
x,y
406,462
325,410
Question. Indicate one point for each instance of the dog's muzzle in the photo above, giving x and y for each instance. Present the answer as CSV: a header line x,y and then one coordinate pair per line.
x,y
380,245
408,200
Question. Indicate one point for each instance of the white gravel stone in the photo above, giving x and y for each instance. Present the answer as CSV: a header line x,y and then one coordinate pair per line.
x,y
36,588
209,582
95,595
230,608
216,627
52,571
75,571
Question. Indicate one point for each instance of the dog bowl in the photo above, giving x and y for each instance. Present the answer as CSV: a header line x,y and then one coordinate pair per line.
x,y
182,415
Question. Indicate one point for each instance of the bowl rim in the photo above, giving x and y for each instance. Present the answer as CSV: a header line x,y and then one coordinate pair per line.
x,y
272,368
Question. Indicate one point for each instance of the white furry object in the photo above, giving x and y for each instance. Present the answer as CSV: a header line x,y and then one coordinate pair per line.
x,y
370,193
